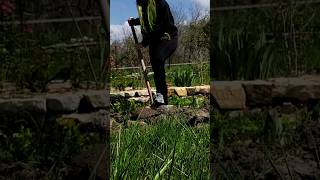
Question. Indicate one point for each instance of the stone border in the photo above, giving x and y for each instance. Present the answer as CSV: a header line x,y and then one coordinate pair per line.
x,y
239,95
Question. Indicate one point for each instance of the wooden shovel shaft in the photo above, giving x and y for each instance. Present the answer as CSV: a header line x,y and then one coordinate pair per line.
x,y
140,56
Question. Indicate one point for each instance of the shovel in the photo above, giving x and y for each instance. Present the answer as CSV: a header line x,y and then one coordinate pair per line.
x,y
140,56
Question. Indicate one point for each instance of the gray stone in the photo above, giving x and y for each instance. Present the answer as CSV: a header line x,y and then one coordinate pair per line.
x,y
301,89
258,92
191,91
202,89
140,99
97,99
62,102
200,116
170,91
141,93
31,105
228,95
129,93
117,94
128,88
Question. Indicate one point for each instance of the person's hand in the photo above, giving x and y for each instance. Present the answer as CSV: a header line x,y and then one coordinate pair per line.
x,y
131,22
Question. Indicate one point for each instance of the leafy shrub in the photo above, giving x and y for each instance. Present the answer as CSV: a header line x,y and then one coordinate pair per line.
x,y
183,77
238,54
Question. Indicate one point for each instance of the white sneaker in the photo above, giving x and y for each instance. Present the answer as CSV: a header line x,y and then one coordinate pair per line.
x,y
159,98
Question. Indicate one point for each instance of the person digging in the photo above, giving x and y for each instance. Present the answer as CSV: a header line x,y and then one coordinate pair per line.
x,y
161,35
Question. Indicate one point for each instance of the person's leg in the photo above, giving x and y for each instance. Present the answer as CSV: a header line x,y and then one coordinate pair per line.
x,y
158,54
157,64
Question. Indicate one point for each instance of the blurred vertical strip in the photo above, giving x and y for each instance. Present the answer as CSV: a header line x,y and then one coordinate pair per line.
x,y
105,14
213,76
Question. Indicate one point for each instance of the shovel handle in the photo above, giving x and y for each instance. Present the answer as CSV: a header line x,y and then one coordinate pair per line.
x,y
142,62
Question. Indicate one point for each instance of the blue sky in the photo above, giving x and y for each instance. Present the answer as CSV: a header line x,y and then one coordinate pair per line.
x,y
121,10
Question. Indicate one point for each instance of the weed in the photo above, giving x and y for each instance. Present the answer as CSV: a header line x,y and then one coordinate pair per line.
x,y
150,153
183,77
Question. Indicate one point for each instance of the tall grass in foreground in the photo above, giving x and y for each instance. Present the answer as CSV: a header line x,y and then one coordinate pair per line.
x,y
168,149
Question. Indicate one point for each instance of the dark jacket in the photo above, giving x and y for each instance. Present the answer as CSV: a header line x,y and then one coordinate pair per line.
x,y
164,23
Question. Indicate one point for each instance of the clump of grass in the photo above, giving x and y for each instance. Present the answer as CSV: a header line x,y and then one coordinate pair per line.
x,y
167,149
197,101
183,77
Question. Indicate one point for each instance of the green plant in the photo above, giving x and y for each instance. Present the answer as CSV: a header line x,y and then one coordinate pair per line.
x,y
183,77
167,149
238,54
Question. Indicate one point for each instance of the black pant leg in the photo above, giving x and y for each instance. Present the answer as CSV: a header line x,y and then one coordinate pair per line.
x,y
159,52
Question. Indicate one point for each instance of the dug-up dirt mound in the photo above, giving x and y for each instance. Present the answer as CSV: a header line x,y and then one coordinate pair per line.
x,y
250,158
147,115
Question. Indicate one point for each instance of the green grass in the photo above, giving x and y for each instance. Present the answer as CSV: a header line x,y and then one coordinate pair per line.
x,y
168,149
185,75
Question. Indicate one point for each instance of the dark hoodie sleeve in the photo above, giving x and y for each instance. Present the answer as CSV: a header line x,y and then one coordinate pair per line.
x,y
136,21
145,37
163,19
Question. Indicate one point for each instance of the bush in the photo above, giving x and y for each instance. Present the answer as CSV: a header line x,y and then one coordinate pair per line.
x,y
240,55
183,77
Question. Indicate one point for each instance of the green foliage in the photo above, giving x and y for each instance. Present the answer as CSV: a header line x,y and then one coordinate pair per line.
x,y
183,77
49,147
241,127
150,152
33,60
313,55
240,55
193,101
124,106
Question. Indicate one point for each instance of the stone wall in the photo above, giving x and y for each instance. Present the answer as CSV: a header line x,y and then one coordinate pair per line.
x,y
92,106
239,95
82,106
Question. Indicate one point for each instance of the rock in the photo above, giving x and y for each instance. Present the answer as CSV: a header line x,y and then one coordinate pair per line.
x,y
202,89
140,99
59,86
301,89
62,102
191,91
94,100
99,118
200,116
117,94
141,93
128,88
202,113
170,91
258,93
167,109
31,105
181,91
228,95
129,93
